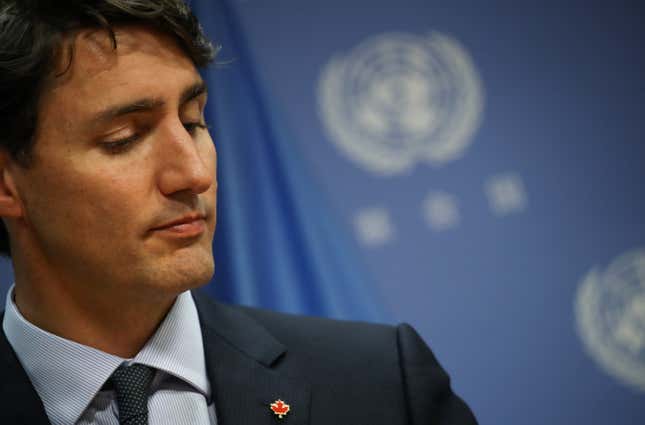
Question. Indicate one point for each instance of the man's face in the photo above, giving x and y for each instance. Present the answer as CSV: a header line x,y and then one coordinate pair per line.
x,y
122,189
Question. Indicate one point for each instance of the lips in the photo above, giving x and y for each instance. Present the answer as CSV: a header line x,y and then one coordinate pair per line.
x,y
186,226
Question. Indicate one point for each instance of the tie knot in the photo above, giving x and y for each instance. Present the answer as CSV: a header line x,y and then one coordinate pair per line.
x,y
132,384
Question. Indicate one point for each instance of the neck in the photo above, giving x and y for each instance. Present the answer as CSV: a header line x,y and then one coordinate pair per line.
x,y
108,319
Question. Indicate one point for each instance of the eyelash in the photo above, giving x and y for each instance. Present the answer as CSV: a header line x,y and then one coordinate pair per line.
x,y
122,145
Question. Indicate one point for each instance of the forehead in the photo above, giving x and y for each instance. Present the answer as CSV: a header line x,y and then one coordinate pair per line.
x,y
91,51
92,73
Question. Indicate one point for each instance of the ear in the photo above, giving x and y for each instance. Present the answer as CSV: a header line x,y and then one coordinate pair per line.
x,y
10,202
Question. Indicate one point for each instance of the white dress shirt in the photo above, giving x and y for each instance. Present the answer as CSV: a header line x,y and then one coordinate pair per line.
x,y
69,377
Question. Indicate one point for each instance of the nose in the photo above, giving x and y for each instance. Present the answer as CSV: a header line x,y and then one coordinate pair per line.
x,y
187,164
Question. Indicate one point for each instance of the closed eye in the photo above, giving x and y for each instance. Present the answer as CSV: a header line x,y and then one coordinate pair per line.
x,y
192,127
121,145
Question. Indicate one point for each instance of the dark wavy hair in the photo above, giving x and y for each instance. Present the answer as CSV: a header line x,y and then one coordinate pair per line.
x,y
32,33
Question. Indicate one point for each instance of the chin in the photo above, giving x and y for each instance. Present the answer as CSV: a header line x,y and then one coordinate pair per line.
x,y
195,273
183,271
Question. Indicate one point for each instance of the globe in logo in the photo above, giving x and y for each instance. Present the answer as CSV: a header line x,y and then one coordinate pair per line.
x,y
610,313
398,99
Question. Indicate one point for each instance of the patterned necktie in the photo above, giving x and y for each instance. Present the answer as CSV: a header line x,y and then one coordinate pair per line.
x,y
132,384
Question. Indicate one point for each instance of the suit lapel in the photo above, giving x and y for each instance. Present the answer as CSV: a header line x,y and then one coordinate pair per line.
x,y
241,358
20,402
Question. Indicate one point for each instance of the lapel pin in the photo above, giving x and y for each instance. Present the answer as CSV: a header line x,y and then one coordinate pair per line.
x,y
280,408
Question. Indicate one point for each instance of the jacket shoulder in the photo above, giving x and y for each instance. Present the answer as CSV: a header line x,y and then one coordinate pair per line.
x,y
392,361
349,365
331,340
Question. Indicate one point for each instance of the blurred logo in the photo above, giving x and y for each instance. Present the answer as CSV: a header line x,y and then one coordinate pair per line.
x,y
610,313
398,99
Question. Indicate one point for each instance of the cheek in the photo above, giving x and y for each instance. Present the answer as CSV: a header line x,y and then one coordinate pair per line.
x,y
79,203
114,201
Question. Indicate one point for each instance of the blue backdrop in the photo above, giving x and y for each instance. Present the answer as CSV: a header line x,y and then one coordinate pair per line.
x,y
473,168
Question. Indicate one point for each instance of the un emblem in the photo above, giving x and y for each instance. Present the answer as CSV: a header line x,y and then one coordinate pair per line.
x,y
610,313
398,99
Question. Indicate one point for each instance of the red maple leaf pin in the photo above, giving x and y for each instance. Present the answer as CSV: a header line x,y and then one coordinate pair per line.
x,y
280,408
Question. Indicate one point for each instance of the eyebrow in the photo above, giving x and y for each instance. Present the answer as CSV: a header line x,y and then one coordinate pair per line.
x,y
149,104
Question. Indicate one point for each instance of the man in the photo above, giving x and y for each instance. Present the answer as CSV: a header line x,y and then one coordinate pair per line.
x,y
108,194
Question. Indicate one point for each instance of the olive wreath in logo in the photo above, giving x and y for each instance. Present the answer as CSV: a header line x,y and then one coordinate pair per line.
x,y
610,317
398,99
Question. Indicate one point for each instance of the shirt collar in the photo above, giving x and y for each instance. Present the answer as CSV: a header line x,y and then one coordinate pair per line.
x,y
177,347
68,375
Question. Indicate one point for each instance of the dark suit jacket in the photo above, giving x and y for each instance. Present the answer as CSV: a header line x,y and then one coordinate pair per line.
x,y
329,372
